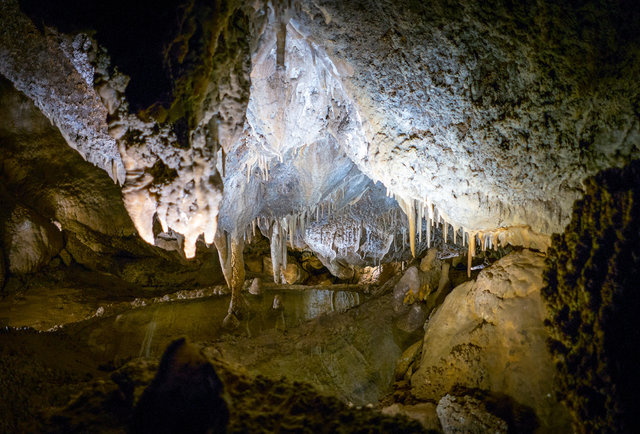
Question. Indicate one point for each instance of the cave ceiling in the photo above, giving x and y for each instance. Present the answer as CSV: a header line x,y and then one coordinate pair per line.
x,y
335,126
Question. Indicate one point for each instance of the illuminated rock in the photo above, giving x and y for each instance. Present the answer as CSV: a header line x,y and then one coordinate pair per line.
x,y
488,334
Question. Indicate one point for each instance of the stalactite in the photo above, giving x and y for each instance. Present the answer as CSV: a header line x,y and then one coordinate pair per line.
x,y
419,223
472,252
444,232
222,242
276,249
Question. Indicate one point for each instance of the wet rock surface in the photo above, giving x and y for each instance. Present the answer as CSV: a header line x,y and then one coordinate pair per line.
x,y
31,241
256,403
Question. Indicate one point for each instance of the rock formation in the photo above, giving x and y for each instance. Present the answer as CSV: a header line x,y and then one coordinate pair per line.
x,y
149,145
489,335
282,115
592,293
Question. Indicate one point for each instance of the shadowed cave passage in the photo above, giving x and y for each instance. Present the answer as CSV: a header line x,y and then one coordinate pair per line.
x,y
318,216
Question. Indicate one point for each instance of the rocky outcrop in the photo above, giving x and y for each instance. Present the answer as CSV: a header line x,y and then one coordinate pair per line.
x,y
51,194
30,240
592,295
186,395
488,334
467,415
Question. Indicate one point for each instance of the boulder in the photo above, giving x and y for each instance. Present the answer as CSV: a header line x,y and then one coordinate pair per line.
x,y
413,320
30,240
489,335
468,415
415,286
408,357
294,273
186,395
410,282
430,260
424,412
255,288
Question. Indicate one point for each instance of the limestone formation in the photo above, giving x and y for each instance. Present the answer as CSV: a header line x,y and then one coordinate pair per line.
x,y
467,415
79,202
288,119
31,241
488,334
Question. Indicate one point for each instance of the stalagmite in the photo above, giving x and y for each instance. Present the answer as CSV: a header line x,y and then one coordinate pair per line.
x,y
445,229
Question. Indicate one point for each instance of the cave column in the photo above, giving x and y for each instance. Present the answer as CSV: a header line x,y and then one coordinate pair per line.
x,y
230,251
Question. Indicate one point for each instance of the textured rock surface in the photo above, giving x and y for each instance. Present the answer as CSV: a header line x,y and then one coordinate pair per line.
x,y
593,300
473,106
54,70
425,413
489,334
273,113
30,240
467,415
41,172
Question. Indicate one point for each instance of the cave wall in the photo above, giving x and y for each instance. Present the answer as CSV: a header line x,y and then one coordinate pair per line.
x,y
56,204
591,292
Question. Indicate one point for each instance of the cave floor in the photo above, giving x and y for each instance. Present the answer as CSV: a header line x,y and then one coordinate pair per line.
x,y
341,345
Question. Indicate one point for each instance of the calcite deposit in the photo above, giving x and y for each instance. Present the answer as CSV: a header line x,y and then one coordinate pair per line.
x,y
472,116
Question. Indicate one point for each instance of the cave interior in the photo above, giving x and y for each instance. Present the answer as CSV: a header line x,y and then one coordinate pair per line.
x,y
319,216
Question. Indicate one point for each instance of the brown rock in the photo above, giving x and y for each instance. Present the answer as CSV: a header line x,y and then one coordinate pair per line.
x,y
489,334
254,264
468,415
255,287
430,260
31,241
413,320
407,358
294,272
66,257
424,412
267,265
